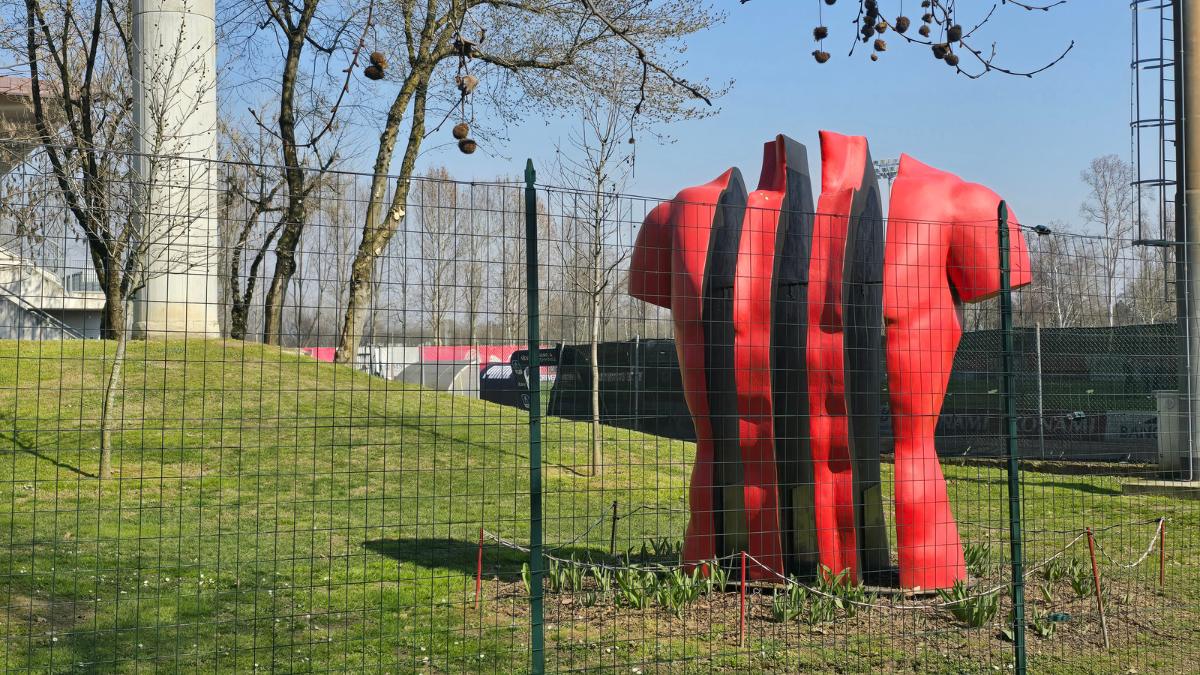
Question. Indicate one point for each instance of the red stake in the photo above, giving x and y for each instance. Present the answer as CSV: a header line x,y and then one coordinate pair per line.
x,y
479,569
742,623
1096,579
1162,552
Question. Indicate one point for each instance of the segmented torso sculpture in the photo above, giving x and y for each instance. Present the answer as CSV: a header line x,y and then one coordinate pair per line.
x,y
778,314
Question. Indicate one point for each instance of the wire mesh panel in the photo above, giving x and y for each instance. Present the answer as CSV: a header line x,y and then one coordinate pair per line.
x,y
292,506
244,433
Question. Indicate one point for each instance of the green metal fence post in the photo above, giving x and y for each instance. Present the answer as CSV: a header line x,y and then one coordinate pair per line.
x,y
537,652
1007,387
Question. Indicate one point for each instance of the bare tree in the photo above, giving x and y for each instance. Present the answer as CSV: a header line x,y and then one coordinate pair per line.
x,y
1059,298
251,192
307,124
78,59
437,217
1147,297
80,63
597,165
949,34
470,249
528,54
1110,208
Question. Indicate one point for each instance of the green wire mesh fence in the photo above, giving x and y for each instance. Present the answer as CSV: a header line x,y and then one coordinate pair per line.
x,y
302,506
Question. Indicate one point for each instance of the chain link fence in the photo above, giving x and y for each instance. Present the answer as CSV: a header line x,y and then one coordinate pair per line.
x,y
443,498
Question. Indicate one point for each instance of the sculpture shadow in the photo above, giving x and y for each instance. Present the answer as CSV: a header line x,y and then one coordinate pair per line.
x,y
450,554
460,556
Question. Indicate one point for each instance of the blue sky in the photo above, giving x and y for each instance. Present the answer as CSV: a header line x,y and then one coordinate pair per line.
x,y
1026,138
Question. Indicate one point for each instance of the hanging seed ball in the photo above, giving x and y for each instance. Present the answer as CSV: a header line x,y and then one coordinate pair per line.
x,y
867,31
951,60
874,57
925,3
924,31
940,50
467,146
881,27
821,56
954,33
830,2
880,46
373,72
461,130
902,24
466,84
927,18
378,59
820,33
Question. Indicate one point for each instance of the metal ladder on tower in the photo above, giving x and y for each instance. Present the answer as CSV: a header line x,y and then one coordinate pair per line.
x,y
1152,129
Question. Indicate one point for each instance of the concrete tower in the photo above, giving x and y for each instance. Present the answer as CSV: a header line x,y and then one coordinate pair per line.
x,y
175,113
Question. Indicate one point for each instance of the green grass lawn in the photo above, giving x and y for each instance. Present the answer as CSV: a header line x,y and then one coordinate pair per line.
x,y
276,513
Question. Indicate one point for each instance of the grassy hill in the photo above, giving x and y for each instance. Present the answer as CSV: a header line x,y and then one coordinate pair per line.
x,y
275,512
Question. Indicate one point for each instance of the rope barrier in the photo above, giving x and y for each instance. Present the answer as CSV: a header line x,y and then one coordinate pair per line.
x,y
1149,549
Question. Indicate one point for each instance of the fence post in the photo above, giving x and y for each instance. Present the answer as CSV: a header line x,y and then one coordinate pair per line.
x,y
1007,393
537,652
1041,410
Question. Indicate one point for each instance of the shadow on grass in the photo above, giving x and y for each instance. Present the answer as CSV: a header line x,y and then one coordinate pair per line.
x,y
452,554
1081,486
461,556
19,441
1030,488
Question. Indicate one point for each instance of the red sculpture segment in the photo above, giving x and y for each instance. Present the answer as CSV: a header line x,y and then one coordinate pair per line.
x,y
842,160
668,269
942,250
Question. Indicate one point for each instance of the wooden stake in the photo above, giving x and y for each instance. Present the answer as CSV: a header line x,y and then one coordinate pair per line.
x,y
612,537
479,569
742,622
1096,579
1162,552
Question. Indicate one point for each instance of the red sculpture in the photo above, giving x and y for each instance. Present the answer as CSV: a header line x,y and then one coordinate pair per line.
x,y
668,269
942,249
777,318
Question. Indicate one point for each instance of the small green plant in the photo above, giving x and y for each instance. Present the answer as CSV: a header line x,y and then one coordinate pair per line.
x,y
666,548
839,592
678,589
1043,625
978,558
717,578
554,577
973,610
790,604
527,579
1055,570
573,574
1079,575
590,598
635,586
603,577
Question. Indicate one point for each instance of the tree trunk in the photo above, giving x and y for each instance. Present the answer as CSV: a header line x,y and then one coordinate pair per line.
x,y
597,431
112,319
237,319
377,234
109,403
285,267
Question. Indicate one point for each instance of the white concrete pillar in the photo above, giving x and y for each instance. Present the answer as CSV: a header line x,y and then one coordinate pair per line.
x,y
175,115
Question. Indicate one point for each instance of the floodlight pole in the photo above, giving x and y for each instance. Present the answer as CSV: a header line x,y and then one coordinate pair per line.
x,y
1187,216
